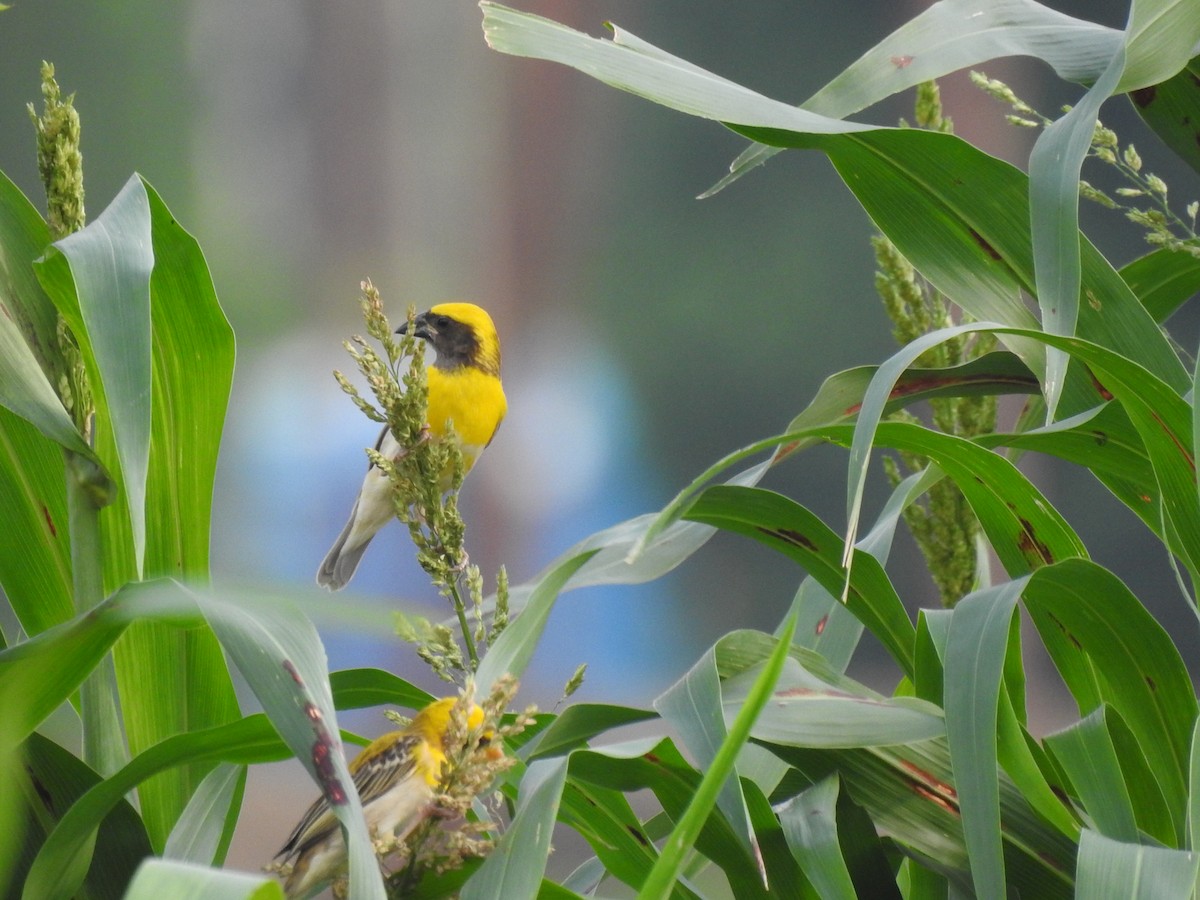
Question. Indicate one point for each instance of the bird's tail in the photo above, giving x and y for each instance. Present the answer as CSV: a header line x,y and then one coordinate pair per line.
x,y
342,559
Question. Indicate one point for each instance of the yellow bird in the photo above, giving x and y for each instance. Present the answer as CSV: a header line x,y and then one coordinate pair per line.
x,y
464,390
396,777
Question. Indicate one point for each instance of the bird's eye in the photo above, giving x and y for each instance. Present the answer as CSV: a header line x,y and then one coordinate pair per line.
x,y
443,321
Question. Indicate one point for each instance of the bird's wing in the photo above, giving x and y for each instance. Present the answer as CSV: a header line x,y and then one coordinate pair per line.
x,y
378,772
375,771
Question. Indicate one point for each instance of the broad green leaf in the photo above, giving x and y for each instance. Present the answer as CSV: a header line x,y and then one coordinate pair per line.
x,y
516,866
1022,526
1171,108
962,219
809,823
49,782
1193,814
38,675
1160,415
243,742
280,655
192,367
35,568
1085,751
25,391
808,712
581,722
838,401
24,237
1153,817
1195,420
946,37
99,278
693,707
783,874
909,793
975,649
604,818
1163,279
30,360
645,70
786,526
356,688
249,740
687,830
1103,441
823,624
658,766
956,34
1108,648
1160,37
1020,757
928,679
158,878
959,216
203,832
1113,870
277,652
35,557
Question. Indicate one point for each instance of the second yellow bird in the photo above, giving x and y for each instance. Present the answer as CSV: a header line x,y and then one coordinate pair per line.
x,y
396,777
465,391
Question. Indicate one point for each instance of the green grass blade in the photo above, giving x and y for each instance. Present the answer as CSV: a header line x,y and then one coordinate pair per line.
x,y
670,862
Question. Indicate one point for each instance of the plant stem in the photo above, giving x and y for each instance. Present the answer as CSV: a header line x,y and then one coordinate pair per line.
x,y
460,610
103,741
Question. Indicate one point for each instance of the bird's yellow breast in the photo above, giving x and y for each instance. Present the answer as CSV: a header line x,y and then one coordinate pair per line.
x,y
472,400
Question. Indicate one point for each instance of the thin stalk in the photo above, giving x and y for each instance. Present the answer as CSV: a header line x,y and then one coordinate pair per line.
x,y
103,741
460,610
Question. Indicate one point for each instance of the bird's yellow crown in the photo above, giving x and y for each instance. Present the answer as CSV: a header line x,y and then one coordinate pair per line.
x,y
488,355
432,722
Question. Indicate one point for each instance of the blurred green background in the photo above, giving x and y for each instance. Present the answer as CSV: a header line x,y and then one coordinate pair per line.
x,y
308,145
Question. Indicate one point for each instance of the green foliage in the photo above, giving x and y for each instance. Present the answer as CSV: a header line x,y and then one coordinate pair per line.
x,y
784,776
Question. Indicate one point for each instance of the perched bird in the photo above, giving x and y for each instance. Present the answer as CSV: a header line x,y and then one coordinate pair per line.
x,y
396,776
464,389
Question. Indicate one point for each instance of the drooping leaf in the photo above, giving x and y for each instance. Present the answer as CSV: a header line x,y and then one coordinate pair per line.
x,y
99,279
1110,869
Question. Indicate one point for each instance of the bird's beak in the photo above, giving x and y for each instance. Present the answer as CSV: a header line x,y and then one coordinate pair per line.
x,y
421,328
